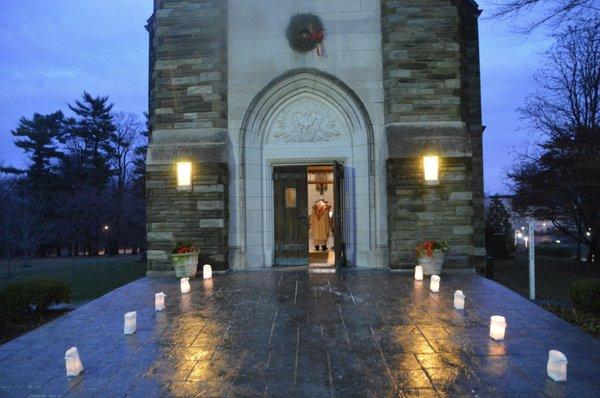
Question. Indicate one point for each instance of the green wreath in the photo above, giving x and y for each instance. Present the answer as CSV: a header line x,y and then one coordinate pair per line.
x,y
305,33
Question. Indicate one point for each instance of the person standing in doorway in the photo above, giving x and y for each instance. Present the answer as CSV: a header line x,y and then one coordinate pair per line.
x,y
320,224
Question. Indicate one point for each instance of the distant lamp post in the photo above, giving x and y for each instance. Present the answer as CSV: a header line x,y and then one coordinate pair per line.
x,y
184,174
431,169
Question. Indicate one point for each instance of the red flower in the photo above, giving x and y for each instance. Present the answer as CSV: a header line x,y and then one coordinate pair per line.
x,y
317,36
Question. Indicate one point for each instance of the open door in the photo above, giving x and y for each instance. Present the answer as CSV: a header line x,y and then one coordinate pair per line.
x,y
338,215
291,218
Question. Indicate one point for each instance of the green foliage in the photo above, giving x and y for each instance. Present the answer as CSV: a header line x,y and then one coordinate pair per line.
x,y
91,133
589,323
553,251
301,32
497,217
21,297
585,295
39,138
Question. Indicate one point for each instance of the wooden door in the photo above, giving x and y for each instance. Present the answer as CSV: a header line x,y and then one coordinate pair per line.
x,y
291,215
338,215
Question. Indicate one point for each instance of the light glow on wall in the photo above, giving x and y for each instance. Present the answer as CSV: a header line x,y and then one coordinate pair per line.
x,y
431,168
184,174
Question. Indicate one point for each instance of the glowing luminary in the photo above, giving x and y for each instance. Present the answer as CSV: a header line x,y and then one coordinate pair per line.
x,y
459,300
418,273
130,323
185,285
72,362
207,271
159,301
557,365
434,285
497,327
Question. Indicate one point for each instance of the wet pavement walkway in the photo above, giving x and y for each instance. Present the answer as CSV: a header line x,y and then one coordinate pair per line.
x,y
274,333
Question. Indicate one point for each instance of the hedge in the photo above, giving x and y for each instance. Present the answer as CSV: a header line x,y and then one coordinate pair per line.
x,y
32,294
585,295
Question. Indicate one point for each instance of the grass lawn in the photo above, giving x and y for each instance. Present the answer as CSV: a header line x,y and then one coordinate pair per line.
x,y
89,277
553,276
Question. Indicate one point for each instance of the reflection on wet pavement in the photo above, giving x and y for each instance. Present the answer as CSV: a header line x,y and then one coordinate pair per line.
x,y
272,333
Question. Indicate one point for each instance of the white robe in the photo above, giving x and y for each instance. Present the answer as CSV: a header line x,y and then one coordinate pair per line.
x,y
320,227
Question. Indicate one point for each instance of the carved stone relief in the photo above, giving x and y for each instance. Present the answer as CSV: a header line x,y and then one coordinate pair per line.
x,y
306,120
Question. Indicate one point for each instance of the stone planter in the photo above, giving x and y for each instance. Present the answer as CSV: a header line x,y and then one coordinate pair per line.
x,y
433,265
185,264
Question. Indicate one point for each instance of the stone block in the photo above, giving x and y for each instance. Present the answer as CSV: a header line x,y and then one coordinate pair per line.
x,y
210,205
159,236
157,255
155,184
211,223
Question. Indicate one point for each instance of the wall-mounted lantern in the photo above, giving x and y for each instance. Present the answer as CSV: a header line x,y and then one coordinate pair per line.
x,y
431,169
184,175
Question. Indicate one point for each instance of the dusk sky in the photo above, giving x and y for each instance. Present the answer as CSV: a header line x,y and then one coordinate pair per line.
x,y
51,50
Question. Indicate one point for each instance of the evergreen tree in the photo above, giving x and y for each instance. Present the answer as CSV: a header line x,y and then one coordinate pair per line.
x,y
498,219
39,138
139,162
90,135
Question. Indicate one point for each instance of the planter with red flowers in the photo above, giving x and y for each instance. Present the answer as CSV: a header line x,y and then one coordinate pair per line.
x,y
431,255
185,260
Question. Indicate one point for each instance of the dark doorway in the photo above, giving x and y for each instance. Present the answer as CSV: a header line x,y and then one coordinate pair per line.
x,y
291,220
308,216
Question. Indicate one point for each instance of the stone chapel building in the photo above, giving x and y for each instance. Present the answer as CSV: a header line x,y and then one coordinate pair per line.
x,y
376,103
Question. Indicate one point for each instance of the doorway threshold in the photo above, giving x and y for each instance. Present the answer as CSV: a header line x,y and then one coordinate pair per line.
x,y
321,268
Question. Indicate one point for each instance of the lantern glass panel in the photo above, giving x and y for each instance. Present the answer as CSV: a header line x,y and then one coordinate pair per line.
x,y
431,168
184,174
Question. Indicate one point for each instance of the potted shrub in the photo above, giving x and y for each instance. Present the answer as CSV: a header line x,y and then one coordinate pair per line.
x,y
431,255
185,260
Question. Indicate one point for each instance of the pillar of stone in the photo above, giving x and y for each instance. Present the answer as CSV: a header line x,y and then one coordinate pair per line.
x,y
188,122
432,104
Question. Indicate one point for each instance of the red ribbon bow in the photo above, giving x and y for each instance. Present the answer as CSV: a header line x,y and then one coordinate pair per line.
x,y
317,36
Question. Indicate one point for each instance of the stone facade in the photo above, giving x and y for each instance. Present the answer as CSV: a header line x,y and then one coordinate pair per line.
x,y
431,73
399,78
188,120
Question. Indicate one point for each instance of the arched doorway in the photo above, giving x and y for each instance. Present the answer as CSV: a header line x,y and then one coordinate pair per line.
x,y
304,117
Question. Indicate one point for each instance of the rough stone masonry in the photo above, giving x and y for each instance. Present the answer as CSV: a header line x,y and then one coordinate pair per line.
x,y
430,62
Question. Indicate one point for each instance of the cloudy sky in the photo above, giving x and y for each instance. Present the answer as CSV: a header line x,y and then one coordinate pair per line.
x,y
51,50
